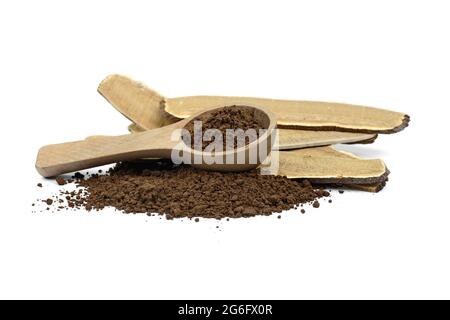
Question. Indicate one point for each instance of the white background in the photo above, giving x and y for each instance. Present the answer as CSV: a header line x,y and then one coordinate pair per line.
x,y
392,54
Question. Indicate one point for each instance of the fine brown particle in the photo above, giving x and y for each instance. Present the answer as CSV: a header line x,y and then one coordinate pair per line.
x,y
60,181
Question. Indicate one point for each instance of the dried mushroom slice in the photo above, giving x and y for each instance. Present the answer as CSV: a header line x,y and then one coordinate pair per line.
x,y
150,109
135,101
302,114
374,187
293,139
329,166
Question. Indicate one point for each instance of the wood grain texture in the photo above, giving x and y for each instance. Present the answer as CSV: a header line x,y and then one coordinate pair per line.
x,y
56,159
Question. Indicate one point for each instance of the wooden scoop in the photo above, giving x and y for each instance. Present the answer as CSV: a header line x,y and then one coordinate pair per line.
x,y
56,159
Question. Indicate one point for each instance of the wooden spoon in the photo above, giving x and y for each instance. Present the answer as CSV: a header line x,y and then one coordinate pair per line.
x,y
56,159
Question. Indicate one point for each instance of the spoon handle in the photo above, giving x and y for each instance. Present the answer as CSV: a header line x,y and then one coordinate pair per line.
x,y
56,159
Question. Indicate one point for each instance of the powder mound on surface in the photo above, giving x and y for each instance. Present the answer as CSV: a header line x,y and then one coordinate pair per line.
x,y
182,191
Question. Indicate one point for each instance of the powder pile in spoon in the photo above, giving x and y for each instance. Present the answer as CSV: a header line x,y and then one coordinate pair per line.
x,y
224,120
